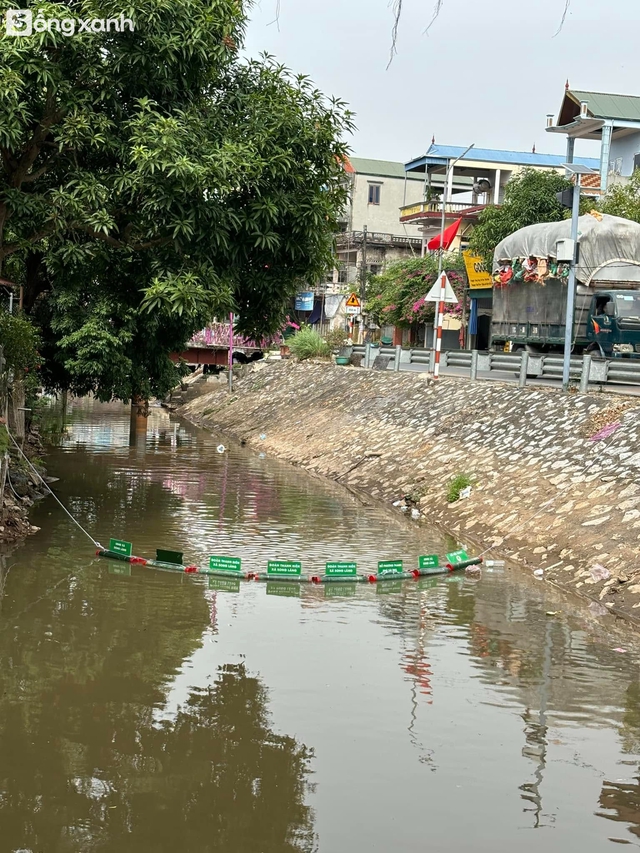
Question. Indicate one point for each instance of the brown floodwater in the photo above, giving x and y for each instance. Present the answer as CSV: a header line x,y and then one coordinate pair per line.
x,y
150,711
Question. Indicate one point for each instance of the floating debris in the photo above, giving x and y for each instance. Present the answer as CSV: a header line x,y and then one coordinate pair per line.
x,y
221,448
599,573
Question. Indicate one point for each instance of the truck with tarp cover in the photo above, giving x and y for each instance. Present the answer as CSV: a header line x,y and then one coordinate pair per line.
x,y
531,286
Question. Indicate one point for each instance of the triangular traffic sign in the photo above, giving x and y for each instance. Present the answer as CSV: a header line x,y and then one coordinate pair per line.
x,y
353,301
434,293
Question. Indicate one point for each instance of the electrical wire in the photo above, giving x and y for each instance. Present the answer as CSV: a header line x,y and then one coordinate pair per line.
x,y
51,492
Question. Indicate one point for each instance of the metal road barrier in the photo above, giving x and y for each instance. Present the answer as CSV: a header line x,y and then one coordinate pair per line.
x,y
585,369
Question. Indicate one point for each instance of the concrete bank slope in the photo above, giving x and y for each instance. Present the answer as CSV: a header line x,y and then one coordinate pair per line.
x,y
530,452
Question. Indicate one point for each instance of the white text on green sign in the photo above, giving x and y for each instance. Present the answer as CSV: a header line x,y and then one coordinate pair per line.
x,y
341,569
284,567
457,557
120,547
225,564
390,567
429,562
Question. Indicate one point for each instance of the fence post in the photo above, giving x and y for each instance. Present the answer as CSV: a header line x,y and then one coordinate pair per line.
x,y
396,360
474,365
584,376
524,364
367,355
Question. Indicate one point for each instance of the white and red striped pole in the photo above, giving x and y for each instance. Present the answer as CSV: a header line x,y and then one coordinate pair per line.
x,y
436,365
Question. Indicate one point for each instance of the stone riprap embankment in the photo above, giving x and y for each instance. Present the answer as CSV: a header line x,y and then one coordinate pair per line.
x,y
545,493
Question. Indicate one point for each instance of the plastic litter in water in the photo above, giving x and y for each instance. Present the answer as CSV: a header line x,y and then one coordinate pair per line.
x,y
263,435
539,573
221,448
598,609
621,651
494,564
415,513
262,456
464,493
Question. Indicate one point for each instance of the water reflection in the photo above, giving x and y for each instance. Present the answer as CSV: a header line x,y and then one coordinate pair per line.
x,y
148,711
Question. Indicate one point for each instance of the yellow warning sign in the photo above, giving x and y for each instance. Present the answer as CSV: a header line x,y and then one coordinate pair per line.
x,y
353,301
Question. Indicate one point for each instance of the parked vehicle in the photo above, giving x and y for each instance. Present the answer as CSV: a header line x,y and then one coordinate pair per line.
x,y
530,291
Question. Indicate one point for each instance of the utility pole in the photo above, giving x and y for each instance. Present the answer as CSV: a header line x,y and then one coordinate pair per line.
x,y
363,280
576,170
441,276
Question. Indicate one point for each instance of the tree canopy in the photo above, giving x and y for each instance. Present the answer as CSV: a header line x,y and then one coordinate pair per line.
x,y
624,199
529,198
152,179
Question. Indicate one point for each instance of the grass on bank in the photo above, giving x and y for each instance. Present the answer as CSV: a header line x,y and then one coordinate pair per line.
x,y
307,343
456,485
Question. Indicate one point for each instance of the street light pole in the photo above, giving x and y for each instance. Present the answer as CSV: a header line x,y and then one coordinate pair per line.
x,y
441,275
571,287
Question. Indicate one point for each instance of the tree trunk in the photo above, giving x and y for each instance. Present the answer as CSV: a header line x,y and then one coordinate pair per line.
x,y
16,408
139,417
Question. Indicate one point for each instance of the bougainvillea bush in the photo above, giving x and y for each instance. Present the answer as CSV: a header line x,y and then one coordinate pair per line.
x,y
397,297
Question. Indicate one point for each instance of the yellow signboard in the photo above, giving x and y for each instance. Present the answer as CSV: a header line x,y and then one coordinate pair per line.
x,y
477,273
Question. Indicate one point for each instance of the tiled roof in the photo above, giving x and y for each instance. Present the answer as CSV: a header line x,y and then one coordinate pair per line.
x,y
602,105
380,168
441,153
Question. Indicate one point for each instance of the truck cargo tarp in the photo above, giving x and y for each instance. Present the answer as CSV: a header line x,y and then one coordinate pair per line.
x,y
609,249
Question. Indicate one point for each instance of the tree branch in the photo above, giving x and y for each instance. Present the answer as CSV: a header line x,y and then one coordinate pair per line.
x,y
121,244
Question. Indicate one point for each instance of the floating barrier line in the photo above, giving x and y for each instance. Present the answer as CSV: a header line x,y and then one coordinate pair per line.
x,y
265,576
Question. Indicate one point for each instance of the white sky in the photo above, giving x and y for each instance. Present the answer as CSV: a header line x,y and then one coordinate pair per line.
x,y
488,72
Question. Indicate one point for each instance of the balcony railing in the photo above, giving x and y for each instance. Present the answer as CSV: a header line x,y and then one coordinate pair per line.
x,y
435,206
356,237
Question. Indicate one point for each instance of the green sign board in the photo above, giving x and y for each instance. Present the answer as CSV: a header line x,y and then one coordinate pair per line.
x,y
284,567
120,569
229,584
120,547
429,562
173,557
456,557
390,567
338,590
288,590
341,569
389,586
225,564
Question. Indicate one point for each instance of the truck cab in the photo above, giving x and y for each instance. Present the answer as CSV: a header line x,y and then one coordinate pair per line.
x,y
613,323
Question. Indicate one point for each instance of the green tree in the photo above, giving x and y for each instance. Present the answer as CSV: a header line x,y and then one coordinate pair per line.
x,y
530,197
624,199
225,174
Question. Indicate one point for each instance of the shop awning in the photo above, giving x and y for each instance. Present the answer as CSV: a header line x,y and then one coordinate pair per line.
x,y
449,235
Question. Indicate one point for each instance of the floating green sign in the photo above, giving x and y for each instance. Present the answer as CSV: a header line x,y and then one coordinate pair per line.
x,y
118,546
120,569
173,557
284,567
289,590
341,569
225,564
390,567
229,584
456,557
429,562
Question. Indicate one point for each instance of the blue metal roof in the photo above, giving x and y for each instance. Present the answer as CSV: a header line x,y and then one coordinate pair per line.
x,y
438,155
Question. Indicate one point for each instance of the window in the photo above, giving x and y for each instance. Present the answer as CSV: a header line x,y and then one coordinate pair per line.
x,y
374,193
374,269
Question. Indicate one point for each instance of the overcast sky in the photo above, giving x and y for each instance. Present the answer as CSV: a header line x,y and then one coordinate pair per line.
x,y
488,72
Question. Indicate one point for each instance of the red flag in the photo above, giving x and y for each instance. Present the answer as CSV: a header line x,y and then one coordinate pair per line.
x,y
449,236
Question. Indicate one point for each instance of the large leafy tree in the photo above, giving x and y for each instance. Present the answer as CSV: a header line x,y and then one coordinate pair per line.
x,y
530,197
151,179
624,199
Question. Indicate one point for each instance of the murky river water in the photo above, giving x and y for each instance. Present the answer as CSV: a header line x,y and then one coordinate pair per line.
x,y
150,712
